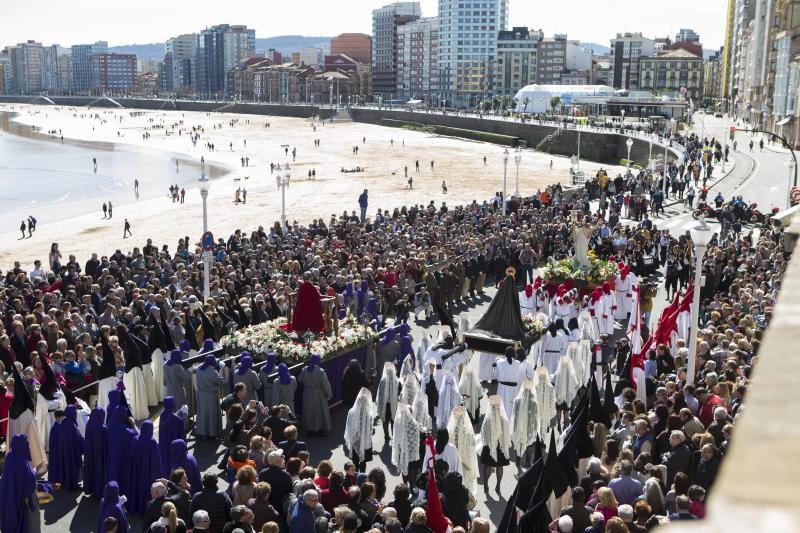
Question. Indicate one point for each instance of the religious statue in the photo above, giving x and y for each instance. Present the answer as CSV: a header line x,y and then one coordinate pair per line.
x,y
307,314
581,233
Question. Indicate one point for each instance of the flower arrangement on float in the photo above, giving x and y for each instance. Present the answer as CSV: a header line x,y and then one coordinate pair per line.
x,y
601,270
533,324
291,347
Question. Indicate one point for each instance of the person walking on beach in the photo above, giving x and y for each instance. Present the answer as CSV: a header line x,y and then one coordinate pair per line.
x,y
105,210
183,195
32,222
127,230
244,195
110,209
411,182
136,186
94,164
363,200
417,164
444,187
22,229
30,228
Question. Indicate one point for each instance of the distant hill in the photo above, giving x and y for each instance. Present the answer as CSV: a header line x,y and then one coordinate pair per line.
x,y
598,49
284,43
291,43
142,51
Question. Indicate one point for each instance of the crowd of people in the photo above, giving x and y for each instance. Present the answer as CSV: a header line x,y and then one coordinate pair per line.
x,y
130,321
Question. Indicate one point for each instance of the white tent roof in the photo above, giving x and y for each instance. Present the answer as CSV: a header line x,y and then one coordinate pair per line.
x,y
555,90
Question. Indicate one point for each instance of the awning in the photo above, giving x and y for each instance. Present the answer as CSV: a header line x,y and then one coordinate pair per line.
x,y
784,121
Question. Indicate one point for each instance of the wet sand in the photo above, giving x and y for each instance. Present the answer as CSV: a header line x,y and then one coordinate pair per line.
x,y
383,157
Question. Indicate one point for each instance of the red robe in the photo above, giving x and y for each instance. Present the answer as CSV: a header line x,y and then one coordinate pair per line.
x,y
307,313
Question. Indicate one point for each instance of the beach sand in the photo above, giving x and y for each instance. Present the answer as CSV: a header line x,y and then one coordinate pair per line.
x,y
458,162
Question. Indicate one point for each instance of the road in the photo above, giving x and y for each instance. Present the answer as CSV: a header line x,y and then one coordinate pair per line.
x,y
758,176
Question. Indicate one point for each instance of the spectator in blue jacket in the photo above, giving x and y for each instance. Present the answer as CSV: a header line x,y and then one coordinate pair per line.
x,y
302,520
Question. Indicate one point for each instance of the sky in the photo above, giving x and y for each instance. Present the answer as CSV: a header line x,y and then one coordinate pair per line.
x,y
149,21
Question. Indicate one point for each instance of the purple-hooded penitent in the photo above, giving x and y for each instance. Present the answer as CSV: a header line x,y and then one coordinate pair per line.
x,y
66,451
111,505
120,437
170,427
17,486
181,458
95,454
144,467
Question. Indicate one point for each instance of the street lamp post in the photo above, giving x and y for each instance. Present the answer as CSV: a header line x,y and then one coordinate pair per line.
x,y
517,161
283,183
205,184
701,235
791,164
629,144
505,172
666,163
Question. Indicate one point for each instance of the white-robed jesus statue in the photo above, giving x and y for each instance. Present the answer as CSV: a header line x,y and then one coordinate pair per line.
x,y
581,233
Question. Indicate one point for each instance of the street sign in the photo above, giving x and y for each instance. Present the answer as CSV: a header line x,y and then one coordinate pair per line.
x,y
207,241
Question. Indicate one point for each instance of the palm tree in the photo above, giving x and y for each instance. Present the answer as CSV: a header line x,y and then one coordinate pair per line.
x,y
554,102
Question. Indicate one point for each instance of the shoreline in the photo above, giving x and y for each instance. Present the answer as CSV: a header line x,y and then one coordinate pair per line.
x,y
384,155
214,169
61,167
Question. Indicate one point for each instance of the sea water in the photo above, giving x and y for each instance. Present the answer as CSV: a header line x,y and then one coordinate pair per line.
x,y
54,179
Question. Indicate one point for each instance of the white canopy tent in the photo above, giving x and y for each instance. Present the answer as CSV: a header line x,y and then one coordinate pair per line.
x,y
537,98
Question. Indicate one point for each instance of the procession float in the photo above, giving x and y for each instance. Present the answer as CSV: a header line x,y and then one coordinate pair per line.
x,y
312,326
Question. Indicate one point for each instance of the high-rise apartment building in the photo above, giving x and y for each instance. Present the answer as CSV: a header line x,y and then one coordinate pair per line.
x,y
736,71
757,91
626,49
178,51
417,75
220,49
113,73
725,60
354,45
551,61
712,75
468,47
65,80
26,62
6,80
688,35
517,58
82,63
50,68
385,23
